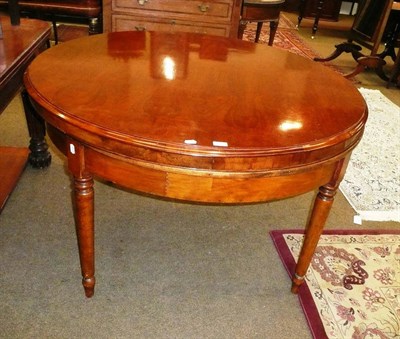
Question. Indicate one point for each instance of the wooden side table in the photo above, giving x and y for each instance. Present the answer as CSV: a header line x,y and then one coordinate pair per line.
x,y
208,125
18,47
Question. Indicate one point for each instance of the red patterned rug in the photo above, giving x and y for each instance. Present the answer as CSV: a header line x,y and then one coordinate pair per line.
x,y
286,37
352,288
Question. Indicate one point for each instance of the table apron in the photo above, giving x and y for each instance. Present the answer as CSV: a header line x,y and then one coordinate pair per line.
x,y
220,162
205,187
195,185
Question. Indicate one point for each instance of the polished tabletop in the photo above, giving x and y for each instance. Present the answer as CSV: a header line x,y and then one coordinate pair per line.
x,y
221,95
198,118
17,47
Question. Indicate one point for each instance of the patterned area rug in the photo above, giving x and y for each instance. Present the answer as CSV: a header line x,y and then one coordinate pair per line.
x,y
352,288
286,38
285,22
372,181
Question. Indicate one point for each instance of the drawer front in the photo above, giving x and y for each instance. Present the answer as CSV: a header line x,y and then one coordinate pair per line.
x,y
184,9
131,23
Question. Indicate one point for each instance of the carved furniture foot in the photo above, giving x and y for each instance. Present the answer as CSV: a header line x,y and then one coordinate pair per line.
x,y
345,47
363,61
372,62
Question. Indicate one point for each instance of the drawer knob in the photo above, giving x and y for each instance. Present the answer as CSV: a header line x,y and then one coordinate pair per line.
x,y
203,8
141,2
140,28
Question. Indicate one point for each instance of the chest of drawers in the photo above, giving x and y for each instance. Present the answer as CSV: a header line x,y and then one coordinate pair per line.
x,y
215,17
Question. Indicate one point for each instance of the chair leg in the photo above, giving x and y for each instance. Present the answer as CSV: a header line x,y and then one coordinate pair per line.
x,y
242,27
55,31
95,26
352,7
273,26
258,31
13,9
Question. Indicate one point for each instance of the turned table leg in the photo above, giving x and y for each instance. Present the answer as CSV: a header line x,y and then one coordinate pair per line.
x,y
39,157
83,195
84,209
320,212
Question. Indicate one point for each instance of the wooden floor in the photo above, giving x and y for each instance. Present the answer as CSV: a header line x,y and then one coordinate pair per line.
x,y
12,163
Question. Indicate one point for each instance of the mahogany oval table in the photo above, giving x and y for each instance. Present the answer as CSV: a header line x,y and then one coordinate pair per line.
x,y
198,118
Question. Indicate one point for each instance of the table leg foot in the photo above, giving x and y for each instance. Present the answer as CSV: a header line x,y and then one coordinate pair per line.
x,y
88,285
296,283
39,157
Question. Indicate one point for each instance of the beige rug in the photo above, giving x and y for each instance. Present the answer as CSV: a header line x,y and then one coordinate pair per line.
x,y
352,288
372,181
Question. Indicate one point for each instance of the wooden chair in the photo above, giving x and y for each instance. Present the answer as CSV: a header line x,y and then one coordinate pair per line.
x,y
261,11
